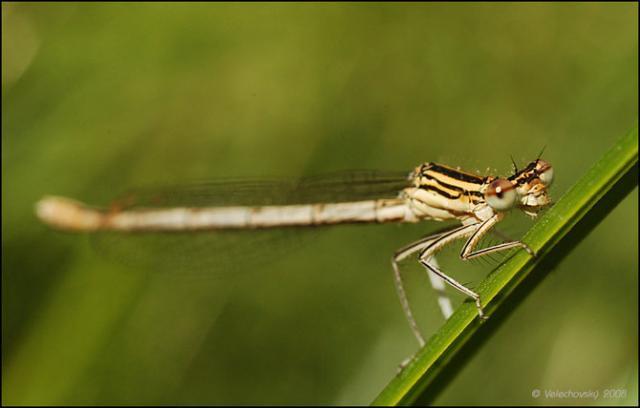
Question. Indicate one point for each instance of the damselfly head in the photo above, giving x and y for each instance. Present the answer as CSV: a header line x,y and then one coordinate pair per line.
x,y
532,185
527,189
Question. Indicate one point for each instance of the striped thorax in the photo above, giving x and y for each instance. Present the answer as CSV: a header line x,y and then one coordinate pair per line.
x,y
442,193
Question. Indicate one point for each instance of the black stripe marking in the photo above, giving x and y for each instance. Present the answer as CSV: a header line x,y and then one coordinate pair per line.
x,y
456,188
455,174
446,194
440,192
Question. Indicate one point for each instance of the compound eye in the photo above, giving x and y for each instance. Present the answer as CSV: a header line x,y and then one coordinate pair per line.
x,y
500,194
545,172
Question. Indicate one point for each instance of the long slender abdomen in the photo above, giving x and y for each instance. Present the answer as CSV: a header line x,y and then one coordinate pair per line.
x,y
66,214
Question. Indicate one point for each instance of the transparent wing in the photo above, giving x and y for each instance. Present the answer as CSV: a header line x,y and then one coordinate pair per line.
x,y
335,187
213,252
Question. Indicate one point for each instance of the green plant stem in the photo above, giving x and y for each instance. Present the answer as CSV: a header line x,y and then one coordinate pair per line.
x,y
553,226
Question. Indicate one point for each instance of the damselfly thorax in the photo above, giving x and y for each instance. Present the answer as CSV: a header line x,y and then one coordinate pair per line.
x,y
430,192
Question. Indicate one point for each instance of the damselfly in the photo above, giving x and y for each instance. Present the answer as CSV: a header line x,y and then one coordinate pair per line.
x,y
430,192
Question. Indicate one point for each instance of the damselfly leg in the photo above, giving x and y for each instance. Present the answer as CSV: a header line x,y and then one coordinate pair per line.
x,y
483,228
429,246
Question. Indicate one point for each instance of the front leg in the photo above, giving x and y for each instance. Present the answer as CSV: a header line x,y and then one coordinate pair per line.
x,y
486,226
469,253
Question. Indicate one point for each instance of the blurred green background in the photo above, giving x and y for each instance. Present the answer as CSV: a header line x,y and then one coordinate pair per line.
x,y
97,98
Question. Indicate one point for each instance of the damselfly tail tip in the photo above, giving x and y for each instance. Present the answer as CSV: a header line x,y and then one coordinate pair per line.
x,y
66,214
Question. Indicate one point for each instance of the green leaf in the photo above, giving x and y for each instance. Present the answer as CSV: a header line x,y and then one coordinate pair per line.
x,y
556,233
